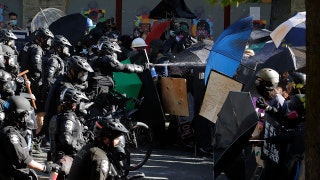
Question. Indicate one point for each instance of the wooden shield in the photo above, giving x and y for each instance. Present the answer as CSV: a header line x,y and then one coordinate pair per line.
x,y
174,96
217,90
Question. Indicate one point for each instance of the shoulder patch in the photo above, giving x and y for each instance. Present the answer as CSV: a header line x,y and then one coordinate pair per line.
x,y
105,165
14,139
69,125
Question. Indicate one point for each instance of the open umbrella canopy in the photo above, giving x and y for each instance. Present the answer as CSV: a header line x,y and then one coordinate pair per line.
x,y
227,51
197,52
236,122
258,38
292,31
45,17
281,59
168,9
72,26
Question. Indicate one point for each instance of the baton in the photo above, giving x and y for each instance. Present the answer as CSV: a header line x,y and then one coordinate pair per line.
x,y
24,75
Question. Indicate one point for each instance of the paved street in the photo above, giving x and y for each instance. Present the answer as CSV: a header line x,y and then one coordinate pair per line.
x,y
178,163
172,163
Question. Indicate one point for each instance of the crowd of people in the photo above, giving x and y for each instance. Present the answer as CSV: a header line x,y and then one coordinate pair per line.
x,y
44,85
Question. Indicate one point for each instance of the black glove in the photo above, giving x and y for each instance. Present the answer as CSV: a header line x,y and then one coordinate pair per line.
x,y
49,166
261,103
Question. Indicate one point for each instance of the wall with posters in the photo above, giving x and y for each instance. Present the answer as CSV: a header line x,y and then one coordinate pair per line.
x,y
213,15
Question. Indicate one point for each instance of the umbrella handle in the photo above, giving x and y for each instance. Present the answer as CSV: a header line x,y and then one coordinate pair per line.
x,y
145,52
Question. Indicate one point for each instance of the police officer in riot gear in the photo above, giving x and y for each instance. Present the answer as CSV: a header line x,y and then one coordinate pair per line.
x,y
8,38
52,66
66,131
75,77
15,156
10,60
30,57
8,86
92,161
101,80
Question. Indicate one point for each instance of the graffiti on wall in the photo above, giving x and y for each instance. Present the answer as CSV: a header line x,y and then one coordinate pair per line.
x,y
202,28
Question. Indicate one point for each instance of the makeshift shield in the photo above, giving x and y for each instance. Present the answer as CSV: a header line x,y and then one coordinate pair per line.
x,y
216,93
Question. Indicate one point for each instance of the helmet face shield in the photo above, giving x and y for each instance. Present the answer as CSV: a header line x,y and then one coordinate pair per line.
x,y
28,118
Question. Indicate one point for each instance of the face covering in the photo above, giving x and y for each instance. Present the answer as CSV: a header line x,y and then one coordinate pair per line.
x,y
13,22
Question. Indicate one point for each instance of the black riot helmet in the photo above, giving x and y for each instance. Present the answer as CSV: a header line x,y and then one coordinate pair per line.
x,y
108,47
7,37
45,36
19,110
108,127
61,45
80,67
10,59
72,95
113,36
8,86
43,33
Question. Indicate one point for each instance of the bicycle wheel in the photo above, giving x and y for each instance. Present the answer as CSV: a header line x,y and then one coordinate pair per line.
x,y
139,144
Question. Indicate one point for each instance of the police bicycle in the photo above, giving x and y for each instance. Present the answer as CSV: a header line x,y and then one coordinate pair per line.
x,y
138,141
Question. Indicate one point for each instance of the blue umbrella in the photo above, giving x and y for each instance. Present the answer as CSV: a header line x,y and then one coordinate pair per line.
x,y
227,51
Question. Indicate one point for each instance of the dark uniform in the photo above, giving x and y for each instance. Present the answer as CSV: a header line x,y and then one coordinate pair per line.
x,y
53,99
101,80
65,134
15,155
31,59
91,162
52,67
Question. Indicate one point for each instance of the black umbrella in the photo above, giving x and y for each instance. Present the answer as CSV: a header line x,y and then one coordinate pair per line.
x,y
259,36
71,26
236,122
196,55
197,52
281,59
171,9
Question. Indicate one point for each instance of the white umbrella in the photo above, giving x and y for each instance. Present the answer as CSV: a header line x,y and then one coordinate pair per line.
x,y
283,29
45,17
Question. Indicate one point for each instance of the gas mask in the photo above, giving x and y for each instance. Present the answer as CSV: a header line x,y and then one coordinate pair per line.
x,y
27,119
